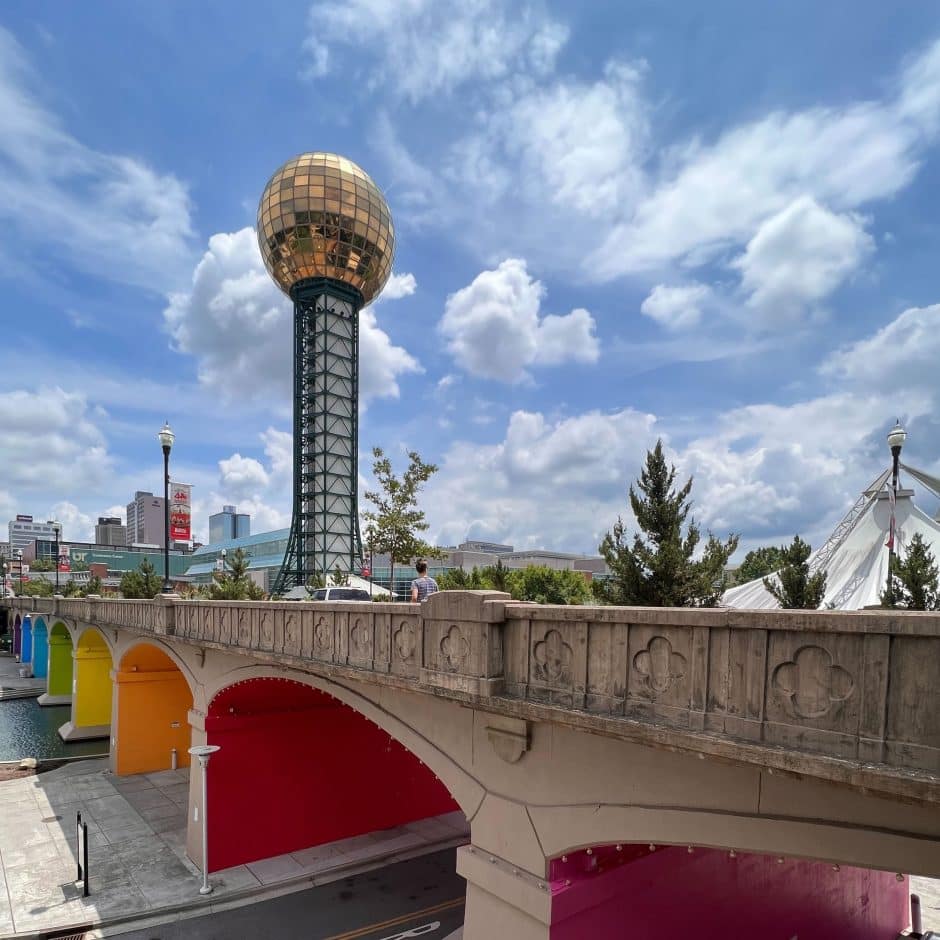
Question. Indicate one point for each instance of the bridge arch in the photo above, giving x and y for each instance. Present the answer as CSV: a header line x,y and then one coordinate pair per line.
x,y
91,687
59,678
325,770
40,648
715,893
26,641
150,730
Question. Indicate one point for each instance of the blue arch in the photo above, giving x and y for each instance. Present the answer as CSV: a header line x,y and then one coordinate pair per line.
x,y
40,649
26,642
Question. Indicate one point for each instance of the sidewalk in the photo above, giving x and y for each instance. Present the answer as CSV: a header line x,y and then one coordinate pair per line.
x,y
136,848
12,685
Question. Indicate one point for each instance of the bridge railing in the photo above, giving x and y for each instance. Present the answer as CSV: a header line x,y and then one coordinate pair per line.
x,y
851,686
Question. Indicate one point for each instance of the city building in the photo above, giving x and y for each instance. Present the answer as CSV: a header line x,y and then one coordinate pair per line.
x,y
146,520
229,524
266,554
110,531
494,548
23,531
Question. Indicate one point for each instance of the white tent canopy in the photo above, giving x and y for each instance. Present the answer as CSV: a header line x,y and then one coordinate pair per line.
x,y
855,558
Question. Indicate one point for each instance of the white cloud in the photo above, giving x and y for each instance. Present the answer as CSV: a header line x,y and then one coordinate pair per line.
x,y
903,354
494,329
77,526
238,325
676,308
242,475
799,256
577,466
398,286
423,48
110,214
712,196
579,145
56,431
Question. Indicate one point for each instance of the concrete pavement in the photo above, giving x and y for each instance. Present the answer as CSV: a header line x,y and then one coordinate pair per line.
x,y
137,858
13,685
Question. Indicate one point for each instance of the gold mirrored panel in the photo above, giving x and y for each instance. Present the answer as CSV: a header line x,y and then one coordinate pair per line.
x,y
322,216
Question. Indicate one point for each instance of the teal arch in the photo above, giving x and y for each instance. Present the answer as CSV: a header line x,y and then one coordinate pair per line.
x,y
40,649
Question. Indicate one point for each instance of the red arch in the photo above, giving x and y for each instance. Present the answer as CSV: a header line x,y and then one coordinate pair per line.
x,y
298,768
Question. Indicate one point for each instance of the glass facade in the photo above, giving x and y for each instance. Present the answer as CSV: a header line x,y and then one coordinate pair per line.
x,y
322,216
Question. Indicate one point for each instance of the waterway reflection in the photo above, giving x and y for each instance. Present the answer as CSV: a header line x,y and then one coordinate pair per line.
x,y
26,730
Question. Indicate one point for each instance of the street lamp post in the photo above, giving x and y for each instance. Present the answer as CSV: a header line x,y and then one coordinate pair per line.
x,y
167,437
203,752
222,555
4,578
896,438
56,528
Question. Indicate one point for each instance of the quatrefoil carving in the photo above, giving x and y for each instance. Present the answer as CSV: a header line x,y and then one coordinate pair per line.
x,y
811,684
659,665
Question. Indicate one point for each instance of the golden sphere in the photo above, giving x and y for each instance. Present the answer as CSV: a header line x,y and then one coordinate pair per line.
x,y
322,216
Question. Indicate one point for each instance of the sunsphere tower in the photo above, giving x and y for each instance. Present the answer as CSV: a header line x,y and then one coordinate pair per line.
x,y
327,239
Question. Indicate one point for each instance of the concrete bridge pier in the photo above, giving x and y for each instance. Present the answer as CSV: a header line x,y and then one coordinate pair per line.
x,y
59,671
91,689
26,642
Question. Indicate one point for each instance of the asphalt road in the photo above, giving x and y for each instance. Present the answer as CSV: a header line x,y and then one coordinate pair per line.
x,y
420,898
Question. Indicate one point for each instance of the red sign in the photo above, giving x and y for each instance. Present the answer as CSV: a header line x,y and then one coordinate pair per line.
x,y
181,512
366,571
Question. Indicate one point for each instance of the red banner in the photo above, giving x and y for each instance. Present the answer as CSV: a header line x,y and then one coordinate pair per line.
x,y
181,529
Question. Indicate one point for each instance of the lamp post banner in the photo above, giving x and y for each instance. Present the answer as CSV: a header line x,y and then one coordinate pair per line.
x,y
64,561
181,512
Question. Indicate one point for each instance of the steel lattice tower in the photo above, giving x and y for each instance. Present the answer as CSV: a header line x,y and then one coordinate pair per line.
x,y
326,236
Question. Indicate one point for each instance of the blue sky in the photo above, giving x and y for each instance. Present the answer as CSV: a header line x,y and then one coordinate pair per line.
x,y
615,222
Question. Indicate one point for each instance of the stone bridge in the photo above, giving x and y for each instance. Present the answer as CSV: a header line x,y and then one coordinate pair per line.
x,y
562,733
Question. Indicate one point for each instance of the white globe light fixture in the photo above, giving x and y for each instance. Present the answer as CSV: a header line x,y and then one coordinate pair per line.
x,y
203,752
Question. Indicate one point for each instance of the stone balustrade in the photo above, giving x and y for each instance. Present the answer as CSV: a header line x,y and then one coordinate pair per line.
x,y
848,696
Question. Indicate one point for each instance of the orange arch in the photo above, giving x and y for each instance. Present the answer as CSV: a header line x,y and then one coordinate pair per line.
x,y
153,701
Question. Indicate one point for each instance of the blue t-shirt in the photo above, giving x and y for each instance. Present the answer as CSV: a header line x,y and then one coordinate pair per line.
x,y
425,586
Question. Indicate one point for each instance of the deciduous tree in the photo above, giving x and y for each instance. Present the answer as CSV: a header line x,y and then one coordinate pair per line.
x,y
396,522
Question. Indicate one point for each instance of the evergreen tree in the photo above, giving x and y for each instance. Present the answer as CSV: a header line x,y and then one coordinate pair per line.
x,y
394,526
339,578
94,586
914,579
143,582
793,587
660,569
758,563
234,583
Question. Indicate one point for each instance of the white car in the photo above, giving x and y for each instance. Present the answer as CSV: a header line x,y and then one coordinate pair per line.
x,y
340,594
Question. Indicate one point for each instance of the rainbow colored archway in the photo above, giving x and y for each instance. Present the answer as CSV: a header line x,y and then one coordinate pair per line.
x,y
59,680
151,712
306,769
91,689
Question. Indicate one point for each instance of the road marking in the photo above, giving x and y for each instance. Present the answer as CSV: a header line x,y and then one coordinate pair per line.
x,y
416,931
396,921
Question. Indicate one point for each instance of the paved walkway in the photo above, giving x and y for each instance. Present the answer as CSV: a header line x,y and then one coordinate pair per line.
x,y
12,685
136,848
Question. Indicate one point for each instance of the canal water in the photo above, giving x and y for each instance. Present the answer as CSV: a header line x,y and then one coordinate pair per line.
x,y
27,730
